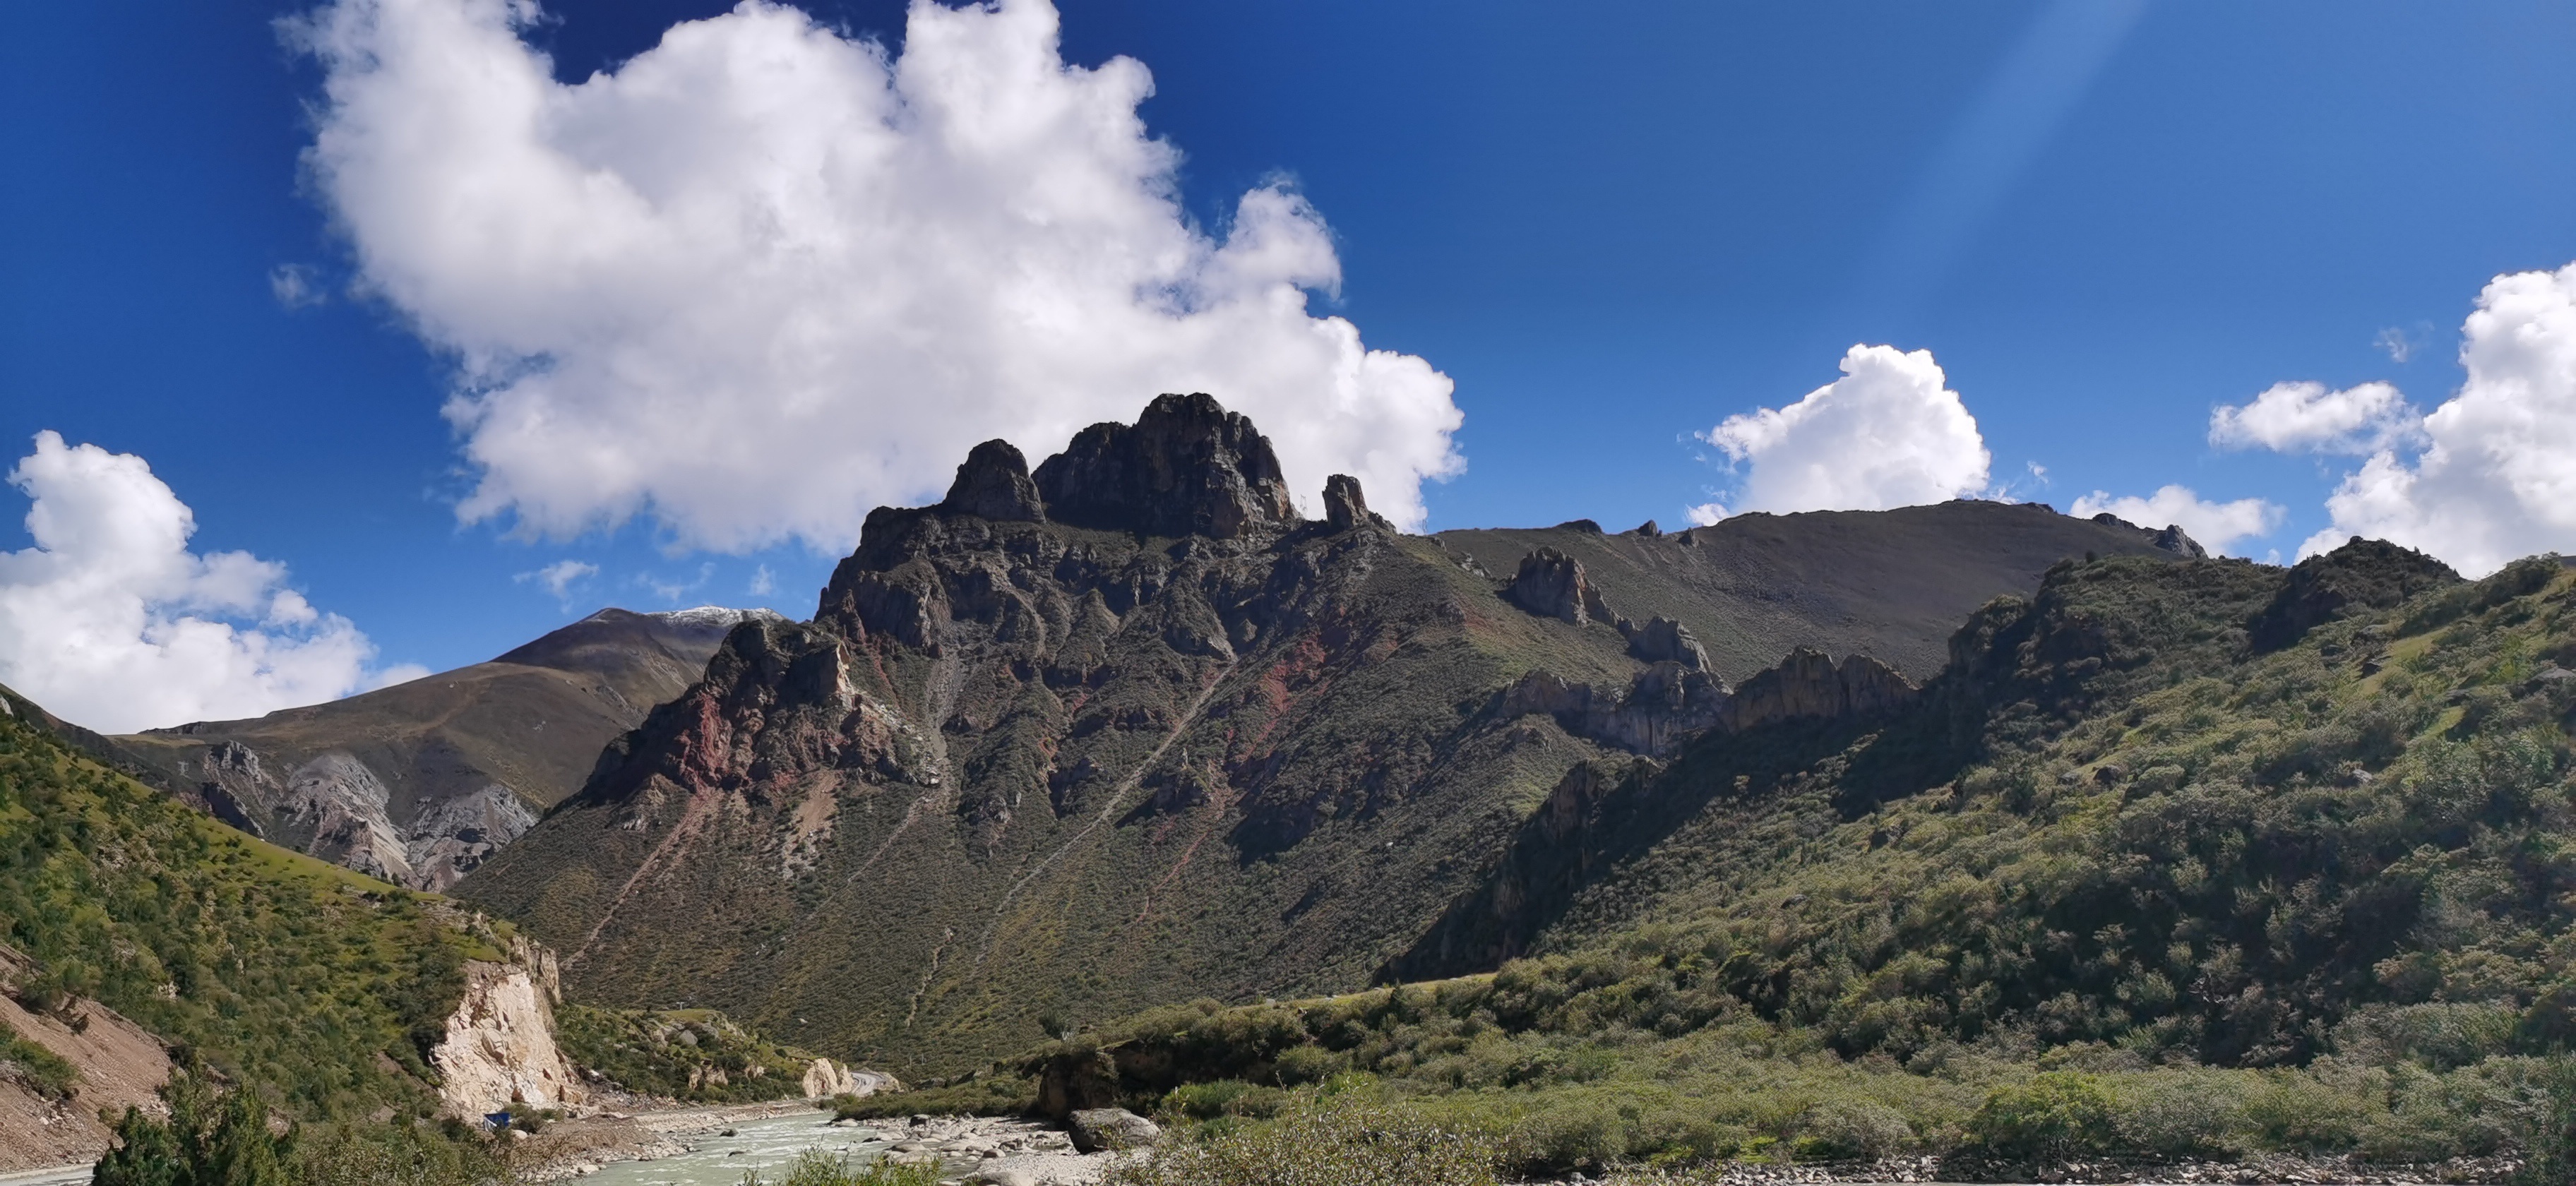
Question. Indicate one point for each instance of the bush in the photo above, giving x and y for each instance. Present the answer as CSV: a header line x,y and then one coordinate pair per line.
x,y
2056,1115
2183,1114
815,1167
217,1140
1852,1130
395,1155
37,1069
1334,1143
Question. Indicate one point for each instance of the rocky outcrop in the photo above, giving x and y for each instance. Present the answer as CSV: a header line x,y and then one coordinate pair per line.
x,y
1344,506
1186,467
1809,684
341,804
453,837
1668,704
1663,640
994,483
825,1078
1552,584
2171,537
1663,707
500,1044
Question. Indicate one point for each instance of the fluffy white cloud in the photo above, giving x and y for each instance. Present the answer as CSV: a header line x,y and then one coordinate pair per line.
x,y
2496,478
111,622
2307,417
1889,433
762,277
2218,526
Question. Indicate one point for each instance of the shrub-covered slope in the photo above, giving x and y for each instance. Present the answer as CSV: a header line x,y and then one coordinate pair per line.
x,y
273,968
691,1055
1125,730
2143,872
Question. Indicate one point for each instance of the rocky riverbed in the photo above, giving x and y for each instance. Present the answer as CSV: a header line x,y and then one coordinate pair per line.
x,y
715,1146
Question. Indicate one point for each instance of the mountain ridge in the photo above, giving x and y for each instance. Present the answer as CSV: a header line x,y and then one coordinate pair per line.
x,y
418,782
1023,763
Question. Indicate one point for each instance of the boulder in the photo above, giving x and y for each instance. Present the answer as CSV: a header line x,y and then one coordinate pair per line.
x,y
1187,466
1097,1129
994,483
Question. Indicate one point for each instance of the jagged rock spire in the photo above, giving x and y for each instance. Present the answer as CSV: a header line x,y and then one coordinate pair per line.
x,y
994,482
1187,466
1344,506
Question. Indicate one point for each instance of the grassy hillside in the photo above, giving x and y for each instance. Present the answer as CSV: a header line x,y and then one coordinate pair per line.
x,y
2174,860
272,967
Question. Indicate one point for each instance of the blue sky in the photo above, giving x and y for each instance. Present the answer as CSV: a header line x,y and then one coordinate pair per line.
x,y
1612,226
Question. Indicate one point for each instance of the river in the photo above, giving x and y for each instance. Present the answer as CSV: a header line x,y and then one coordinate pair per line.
x,y
763,1145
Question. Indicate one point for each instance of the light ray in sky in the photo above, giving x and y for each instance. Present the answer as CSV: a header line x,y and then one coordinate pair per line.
x,y
1992,145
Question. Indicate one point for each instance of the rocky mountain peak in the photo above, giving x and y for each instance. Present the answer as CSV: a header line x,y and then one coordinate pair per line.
x,y
1186,467
994,483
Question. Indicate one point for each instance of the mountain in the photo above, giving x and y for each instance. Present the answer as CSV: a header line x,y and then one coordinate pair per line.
x,y
419,782
2170,862
1126,730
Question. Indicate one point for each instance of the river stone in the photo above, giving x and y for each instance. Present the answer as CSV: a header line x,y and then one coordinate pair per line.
x,y
1095,1129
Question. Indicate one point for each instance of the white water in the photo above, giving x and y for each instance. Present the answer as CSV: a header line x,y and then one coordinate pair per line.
x,y
764,1145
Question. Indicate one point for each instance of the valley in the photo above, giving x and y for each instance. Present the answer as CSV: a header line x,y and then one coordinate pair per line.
x,y
1117,782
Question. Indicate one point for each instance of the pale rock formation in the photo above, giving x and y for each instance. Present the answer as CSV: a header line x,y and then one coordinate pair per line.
x,y
500,1045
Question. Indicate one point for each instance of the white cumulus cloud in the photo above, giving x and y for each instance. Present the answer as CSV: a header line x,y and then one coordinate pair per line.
x,y
2217,526
111,622
762,276
2496,476
2310,418
1889,433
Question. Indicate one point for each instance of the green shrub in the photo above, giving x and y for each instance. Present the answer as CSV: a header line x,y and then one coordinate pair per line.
x,y
209,1139
1335,1143
396,1155
815,1167
2056,1115
1225,1097
1852,1130
2183,1113
37,1069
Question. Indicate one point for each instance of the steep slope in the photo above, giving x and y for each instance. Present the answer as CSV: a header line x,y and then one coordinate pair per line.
x,y
1124,731
2172,861
116,902
418,783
